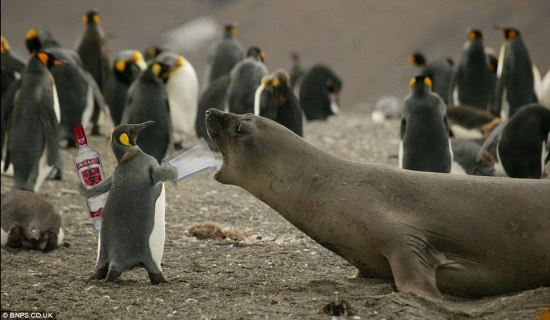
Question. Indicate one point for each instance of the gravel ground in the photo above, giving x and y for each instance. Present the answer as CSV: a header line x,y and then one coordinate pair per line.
x,y
275,273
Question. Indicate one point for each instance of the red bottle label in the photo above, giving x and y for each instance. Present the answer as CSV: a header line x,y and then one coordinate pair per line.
x,y
87,162
91,176
98,213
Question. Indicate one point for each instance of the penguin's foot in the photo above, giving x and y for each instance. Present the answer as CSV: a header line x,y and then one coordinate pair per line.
x,y
156,278
99,274
114,273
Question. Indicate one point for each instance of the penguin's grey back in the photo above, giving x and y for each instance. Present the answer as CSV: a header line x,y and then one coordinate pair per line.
x,y
225,56
148,100
245,77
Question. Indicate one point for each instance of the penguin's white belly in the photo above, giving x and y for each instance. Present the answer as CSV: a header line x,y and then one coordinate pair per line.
x,y
183,93
457,169
44,170
56,107
465,133
537,82
505,110
4,238
545,98
157,236
88,110
400,156
257,97
544,154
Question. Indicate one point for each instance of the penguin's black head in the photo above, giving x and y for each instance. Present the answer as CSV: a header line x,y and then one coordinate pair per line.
x,y
91,18
275,90
124,140
151,52
158,70
32,40
170,59
474,34
509,33
229,30
420,84
48,60
295,57
5,45
417,59
256,53
492,59
128,69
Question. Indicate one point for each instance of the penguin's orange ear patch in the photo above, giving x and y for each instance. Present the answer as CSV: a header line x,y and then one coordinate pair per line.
x,y
180,61
262,55
276,82
124,139
471,35
120,65
412,82
97,20
512,34
31,34
428,82
156,69
43,57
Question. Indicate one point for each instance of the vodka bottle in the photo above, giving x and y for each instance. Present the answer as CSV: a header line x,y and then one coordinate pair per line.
x,y
90,172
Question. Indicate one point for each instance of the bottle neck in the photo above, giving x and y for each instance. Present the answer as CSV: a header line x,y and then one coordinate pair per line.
x,y
80,136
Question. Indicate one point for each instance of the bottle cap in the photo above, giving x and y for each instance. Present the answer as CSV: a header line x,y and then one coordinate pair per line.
x,y
80,135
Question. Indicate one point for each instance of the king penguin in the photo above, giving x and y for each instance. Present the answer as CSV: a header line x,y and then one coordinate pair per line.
x,y
472,82
296,72
441,72
148,100
38,38
92,48
127,66
213,97
425,144
132,230
521,149
183,94
223,55
517,77
245,78
12,66
33,125
319,93
276,100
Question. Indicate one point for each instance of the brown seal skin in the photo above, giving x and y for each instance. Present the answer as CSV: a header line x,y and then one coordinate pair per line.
x,y
29,221
468,236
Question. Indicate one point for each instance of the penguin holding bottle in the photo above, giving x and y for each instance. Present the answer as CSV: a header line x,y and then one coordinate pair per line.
x,y
132,230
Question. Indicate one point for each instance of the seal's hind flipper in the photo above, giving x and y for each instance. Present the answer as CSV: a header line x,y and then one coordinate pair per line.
x,y
412,272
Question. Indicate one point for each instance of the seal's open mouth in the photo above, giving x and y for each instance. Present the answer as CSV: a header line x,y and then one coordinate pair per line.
x,y
214,129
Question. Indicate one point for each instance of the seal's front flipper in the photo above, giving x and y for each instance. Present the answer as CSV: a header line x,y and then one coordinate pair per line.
x,y
412,272
163,173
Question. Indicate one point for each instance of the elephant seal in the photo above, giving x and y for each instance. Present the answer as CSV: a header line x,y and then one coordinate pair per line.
x,y
430,231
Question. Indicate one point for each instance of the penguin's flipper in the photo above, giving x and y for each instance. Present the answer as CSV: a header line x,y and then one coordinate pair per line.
x,y
163,173
8,101
98,96
99,188
49,121
497,131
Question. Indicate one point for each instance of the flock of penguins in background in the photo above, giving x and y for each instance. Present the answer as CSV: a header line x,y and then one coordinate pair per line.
x,y
487,115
